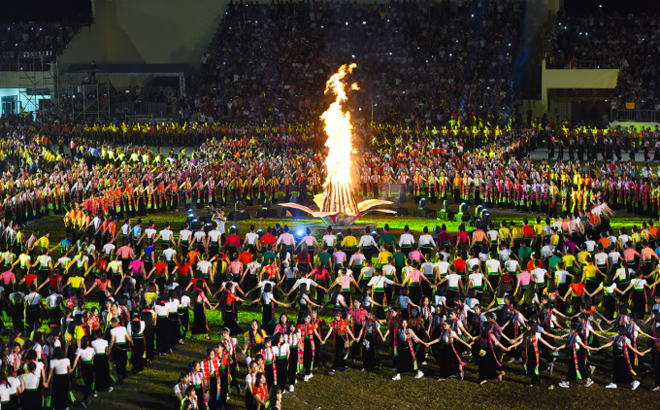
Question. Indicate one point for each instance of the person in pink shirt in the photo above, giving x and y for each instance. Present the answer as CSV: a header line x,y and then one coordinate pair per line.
x,y
629,256
9,280
357,259
413,281
308,240
345,280
523,281
287,239
137,268
415,255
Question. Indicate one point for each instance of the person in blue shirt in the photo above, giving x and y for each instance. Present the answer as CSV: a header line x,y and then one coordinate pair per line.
x,y
136,237
65,244
657,249
149,256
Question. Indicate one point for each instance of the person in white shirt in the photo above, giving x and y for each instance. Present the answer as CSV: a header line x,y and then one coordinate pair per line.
x,y
119,340
150,233
170,257
109,249
58,379
200,240
85,356
368,244
329,239
165,235
30,382
251,240
406,240
213,241
184,239
101,365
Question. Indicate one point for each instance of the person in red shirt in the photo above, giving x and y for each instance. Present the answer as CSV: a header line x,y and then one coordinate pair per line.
x,y
528,232
185,273
267,239
161,272
459,265
245,257
233,244
29,279
462,242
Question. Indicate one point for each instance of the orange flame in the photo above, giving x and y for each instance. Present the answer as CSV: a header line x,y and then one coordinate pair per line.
x,y
338,196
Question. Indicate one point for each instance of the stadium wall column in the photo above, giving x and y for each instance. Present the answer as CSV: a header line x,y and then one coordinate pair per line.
x,y
146,31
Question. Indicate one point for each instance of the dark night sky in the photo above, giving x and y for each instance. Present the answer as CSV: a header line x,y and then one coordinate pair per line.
x,y
43,10
55,10
584,7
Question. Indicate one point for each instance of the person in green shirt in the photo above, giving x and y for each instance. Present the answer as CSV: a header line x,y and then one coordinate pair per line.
x,y
268,255
399,261
325,258
524,254
387,239
554,261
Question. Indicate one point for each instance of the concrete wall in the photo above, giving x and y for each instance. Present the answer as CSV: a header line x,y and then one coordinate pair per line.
x,y
146,31
18,79
568,79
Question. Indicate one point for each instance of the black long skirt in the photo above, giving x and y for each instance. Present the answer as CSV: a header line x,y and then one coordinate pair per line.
x,y
137,353
200,325
162,335
572,373
101,372
449,364
60,391
404,360
489,368
369,359
621,371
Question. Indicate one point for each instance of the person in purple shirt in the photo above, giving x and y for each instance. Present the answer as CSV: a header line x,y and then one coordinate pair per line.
x,y
339,256
444,236
570,244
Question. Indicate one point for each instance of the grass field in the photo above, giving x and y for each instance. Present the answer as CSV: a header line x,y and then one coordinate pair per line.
x,y
153,389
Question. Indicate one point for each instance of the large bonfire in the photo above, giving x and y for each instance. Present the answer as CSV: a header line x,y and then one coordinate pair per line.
x,y
338,196
337,204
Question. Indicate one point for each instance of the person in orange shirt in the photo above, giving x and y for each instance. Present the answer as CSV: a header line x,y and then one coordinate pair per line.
x,y
653,232
193,256
604,240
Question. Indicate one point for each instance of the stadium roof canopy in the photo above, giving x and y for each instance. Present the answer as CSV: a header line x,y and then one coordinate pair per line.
x,y
131,70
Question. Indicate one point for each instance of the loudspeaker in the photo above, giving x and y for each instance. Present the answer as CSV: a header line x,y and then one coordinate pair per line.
x,y
238,216
425,213
267,213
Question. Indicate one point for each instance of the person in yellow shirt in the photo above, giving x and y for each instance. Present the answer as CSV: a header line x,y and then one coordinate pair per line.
x,y
349,244
569,262
554,238
516,236
589,273
383,257
505,234
43,242
583,255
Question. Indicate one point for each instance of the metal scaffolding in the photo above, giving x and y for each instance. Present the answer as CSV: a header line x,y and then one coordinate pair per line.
x,y
38,84
90,101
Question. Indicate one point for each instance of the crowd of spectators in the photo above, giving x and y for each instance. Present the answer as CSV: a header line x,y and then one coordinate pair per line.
x,y
627,42
418,62
18,38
